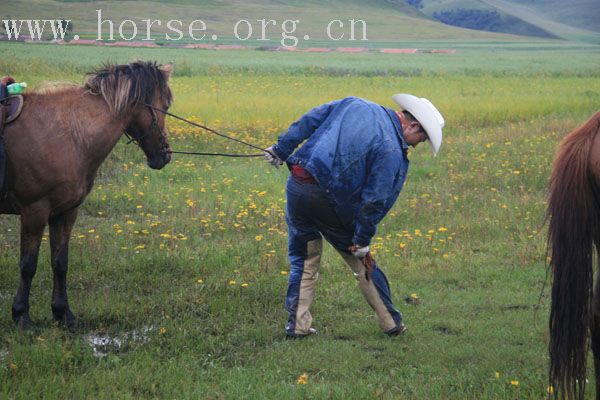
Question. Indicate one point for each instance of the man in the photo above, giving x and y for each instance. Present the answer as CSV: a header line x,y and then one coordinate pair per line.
x,y
344,179
4,82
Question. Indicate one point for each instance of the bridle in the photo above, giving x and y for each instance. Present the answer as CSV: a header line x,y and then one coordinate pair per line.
x,y
162,138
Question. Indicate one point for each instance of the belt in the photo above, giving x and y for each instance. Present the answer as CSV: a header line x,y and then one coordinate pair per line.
x,y
302,175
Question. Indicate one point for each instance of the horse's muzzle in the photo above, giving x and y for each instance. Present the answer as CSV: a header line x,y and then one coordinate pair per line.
x,y
159,161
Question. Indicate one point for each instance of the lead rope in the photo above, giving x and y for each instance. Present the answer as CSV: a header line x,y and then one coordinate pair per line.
x,y
214,132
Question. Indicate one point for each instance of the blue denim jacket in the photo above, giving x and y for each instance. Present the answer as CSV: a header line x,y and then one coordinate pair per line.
x,y
356,151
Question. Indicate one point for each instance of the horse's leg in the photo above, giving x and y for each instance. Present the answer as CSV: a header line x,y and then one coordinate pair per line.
x,y
60,232
33,222
595,334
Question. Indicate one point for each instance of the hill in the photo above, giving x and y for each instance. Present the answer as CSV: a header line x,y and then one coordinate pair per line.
x,y
583,14
387,21
573,20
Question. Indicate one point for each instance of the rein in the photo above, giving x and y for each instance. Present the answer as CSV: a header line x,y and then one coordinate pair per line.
x,y
153,109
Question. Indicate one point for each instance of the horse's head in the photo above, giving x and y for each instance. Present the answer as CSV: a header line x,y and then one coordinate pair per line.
x,y
147,126
135,92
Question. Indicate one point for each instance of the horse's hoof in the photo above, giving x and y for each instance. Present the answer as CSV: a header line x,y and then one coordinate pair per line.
x,y
23,322
69,320
66,319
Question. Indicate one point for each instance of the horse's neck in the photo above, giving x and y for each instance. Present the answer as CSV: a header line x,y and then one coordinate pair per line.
x,y
96,130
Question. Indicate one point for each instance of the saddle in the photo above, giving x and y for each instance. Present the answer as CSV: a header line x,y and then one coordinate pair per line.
x,y
10,109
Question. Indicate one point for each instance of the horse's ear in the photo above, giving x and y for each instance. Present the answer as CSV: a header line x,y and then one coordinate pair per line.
x,y
167,70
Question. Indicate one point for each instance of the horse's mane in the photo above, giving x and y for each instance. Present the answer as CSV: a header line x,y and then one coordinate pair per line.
x,y
575,147
124,86
573,230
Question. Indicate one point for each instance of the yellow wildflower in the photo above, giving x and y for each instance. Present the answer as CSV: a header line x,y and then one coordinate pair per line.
x,y
302,379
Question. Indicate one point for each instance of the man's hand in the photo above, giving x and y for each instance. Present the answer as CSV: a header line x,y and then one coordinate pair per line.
x,y
364,255
272,158
7,80
359,251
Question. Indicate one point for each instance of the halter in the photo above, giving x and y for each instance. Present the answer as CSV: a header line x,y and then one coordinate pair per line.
x,y
153,125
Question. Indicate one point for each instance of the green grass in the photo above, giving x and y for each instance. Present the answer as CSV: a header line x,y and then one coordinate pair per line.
x,y
171,251
472,59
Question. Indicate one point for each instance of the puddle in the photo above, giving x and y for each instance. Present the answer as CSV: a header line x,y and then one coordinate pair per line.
x,y
3,358
515,307
103,344
444,330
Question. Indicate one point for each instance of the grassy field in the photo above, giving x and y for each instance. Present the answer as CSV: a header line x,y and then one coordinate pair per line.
x,y
178,276
476,58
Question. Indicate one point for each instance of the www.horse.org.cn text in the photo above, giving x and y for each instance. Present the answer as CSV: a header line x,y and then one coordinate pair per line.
x,y
147,29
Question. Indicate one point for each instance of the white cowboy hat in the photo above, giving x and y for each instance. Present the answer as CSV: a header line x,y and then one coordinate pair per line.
x,y
428,116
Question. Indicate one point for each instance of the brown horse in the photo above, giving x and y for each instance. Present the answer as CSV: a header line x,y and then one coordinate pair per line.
x,y
53,153
574,242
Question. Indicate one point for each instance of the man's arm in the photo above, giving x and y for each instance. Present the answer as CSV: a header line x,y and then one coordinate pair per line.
x,y
378,195
302,129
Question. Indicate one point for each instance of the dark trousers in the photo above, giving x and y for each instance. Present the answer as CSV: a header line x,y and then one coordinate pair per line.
x,y
311,215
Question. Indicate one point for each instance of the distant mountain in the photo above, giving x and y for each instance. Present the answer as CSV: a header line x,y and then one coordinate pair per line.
x,y
572,20
576,13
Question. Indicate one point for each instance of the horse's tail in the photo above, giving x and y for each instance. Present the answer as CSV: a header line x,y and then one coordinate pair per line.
x,y
573,214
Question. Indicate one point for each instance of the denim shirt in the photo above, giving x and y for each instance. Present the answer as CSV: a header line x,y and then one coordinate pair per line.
x,y
355,150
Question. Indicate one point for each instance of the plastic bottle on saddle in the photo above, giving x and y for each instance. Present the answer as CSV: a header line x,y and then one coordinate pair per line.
x,y
16,88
